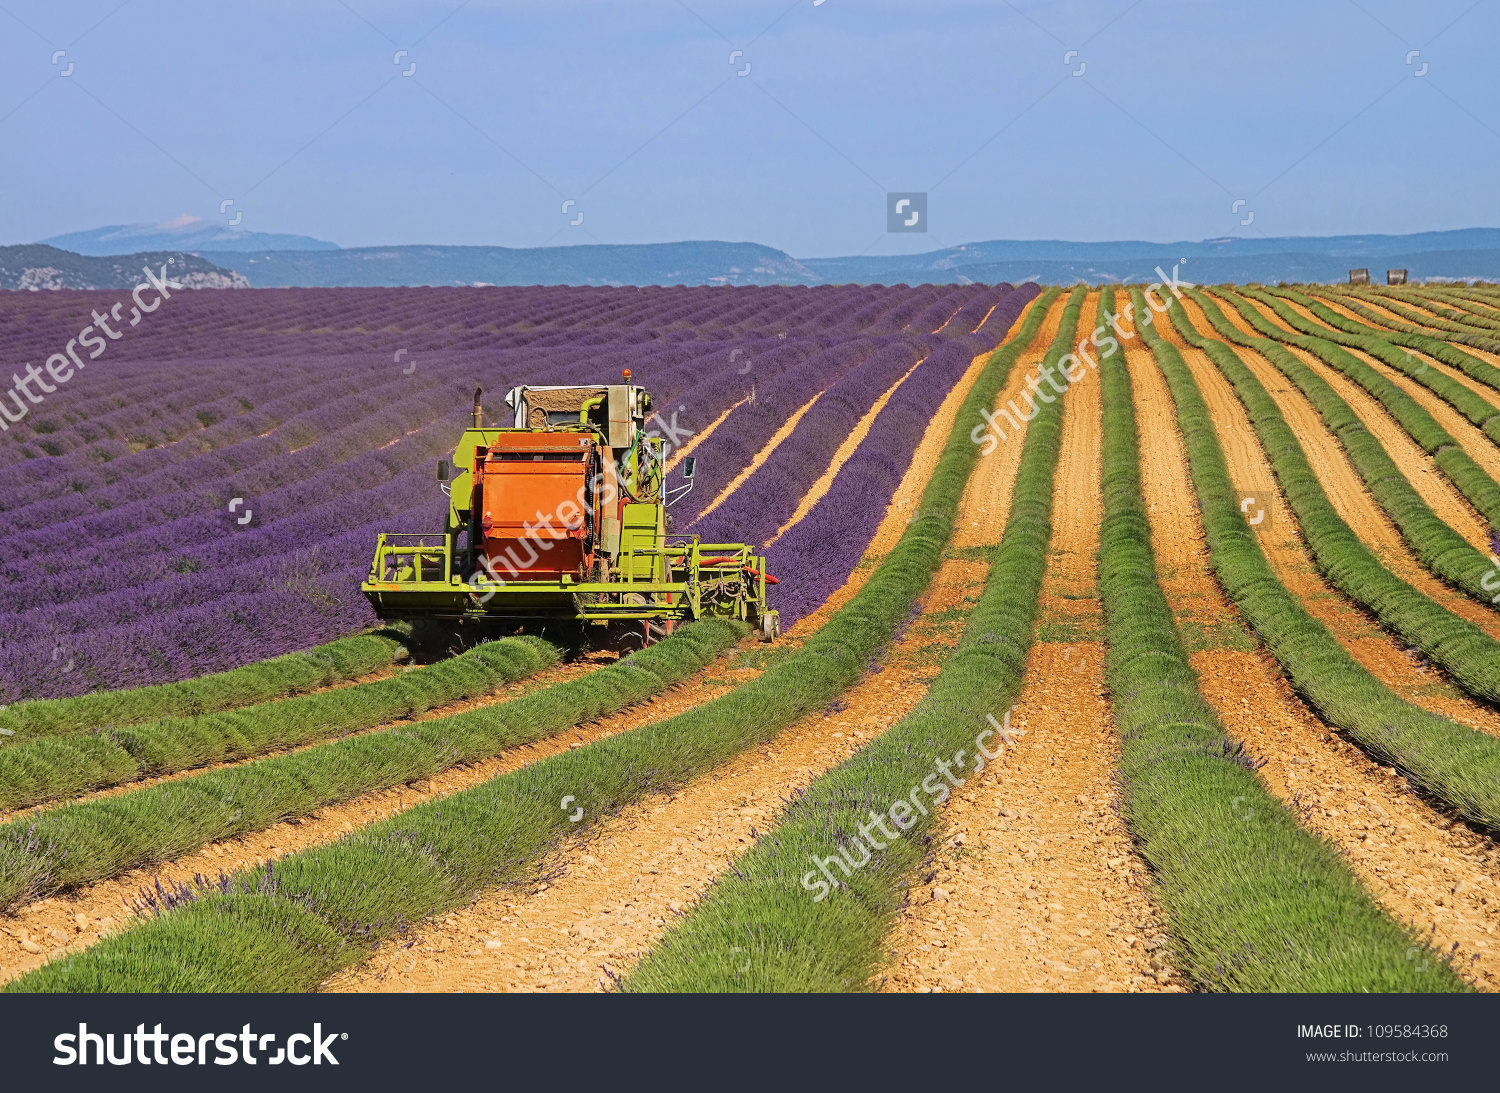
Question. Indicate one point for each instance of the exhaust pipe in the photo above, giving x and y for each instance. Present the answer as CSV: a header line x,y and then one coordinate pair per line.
x,y
478,410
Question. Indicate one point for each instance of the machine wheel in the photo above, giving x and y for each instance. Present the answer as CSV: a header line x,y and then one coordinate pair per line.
x,y
770,626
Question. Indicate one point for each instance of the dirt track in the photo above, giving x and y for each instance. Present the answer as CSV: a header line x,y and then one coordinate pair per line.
x,y
1045,890
1280,539
987,496
605,906
1353,501
1405,851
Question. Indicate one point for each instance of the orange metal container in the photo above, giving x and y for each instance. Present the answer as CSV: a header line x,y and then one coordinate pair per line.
x,y
533,492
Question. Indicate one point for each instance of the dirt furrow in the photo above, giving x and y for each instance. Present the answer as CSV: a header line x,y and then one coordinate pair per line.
x,y
586,923
610,894
1404,850
702,435
760,457
1420,469
1409,674
986,498
1038,886
1351,499
841,455
83,916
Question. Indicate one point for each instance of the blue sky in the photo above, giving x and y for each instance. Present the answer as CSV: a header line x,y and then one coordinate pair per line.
x,y
1309,113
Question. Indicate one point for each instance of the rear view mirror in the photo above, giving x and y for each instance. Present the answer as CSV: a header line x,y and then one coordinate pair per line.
x,y
442,470
689,464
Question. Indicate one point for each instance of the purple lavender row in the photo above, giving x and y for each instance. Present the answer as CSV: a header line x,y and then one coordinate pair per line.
x,y
770,496
86,470
255,322
767,499
234,565
144,519
359,397
749,428
817,555
299,599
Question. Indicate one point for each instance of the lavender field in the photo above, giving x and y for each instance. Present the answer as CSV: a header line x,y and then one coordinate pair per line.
x,y
121,563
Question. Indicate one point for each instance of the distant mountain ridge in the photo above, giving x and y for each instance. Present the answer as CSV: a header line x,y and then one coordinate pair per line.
x,y
1352,247
269,261
689,263
183,233
1470,253
39,268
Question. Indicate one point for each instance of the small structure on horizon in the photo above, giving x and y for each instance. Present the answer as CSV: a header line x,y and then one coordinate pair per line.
x,y
1395,277
1359,277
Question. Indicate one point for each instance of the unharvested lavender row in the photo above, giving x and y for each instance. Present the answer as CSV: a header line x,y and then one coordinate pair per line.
x,y
294,419
752,425
823,547
273,322
190,529
766,499
123,567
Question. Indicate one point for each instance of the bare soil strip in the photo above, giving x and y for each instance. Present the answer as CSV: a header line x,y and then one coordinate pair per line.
x,y
1351,499
586,925
1479,447
610,895
845,449
1403,849
702,435
73,921
1489,394
909,494
760,456
986,501
1205,619
1409,675
1039,887
1430,483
